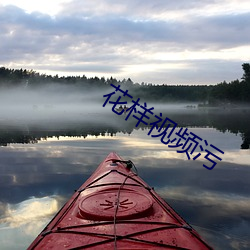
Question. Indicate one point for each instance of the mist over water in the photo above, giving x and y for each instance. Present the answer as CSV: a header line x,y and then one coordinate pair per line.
x,y
58,107
29,114
64,104
52,104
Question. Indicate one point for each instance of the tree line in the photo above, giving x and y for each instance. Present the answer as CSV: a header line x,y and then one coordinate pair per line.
x,y
236,91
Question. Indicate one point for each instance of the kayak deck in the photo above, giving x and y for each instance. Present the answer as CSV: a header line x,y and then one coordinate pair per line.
x,y
116,209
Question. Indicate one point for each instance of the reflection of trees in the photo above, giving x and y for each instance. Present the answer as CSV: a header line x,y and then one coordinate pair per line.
x,y
245,144
33,134
236,122
8,137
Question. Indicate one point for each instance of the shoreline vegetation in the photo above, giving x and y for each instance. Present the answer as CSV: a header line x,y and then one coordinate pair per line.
x,y
232,95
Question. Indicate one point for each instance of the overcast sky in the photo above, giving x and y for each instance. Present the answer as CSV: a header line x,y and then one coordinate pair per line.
x,y
154,41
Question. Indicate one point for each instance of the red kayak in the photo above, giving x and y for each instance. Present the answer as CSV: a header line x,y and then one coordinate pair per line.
x,y
116,209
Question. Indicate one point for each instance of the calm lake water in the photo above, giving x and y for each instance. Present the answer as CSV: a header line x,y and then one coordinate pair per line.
x,y
44,161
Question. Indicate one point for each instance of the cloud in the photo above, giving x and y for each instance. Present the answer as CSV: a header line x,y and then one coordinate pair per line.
x,y
122,30
148,9
124,39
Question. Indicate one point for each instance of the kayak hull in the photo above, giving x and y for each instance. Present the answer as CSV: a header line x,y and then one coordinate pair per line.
x,y
116,209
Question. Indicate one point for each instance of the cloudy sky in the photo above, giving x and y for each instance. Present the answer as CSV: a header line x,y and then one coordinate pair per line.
x,y
157,41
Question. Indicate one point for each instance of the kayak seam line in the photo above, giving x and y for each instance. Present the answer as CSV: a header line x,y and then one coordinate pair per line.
x,y
166,208
120,222
62,230
44,233
191,230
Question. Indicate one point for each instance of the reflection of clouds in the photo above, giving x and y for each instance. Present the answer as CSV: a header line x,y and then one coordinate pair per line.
x,y
221,218
22,222
170,155
225,240
79,151
228,203
224,141
145,144
2,209
238,156
29,212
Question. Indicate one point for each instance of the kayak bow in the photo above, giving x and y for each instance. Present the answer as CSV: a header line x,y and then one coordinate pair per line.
x,y
116,209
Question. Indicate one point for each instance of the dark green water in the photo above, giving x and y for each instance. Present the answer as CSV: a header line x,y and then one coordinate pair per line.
x,y
42,163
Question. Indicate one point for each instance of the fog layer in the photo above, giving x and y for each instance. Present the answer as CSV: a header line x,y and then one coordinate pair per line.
x,y
53,103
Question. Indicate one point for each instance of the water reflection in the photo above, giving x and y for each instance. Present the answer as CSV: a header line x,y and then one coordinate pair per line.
x,y
216,202
22,220
233,121
33,209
